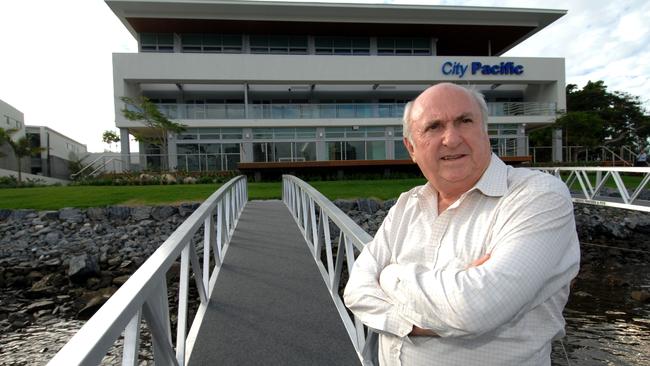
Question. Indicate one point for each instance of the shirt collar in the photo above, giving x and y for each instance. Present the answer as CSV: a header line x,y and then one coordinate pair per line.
x,y
494,182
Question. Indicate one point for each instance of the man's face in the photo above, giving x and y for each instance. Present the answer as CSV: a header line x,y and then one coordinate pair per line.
x,y
450,144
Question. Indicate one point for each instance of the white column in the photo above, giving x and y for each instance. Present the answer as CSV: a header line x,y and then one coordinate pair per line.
x,y
125,149
557,145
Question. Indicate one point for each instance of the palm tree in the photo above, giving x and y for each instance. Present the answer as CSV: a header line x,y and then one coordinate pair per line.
x,y
21,147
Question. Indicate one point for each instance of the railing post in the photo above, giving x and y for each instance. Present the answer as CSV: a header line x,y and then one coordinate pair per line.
x,y
132,341
208,242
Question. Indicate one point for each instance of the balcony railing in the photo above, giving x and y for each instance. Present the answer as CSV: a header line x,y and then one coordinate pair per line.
x,y
330,110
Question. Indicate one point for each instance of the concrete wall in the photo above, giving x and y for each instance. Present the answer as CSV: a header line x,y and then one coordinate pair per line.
x,y
131,69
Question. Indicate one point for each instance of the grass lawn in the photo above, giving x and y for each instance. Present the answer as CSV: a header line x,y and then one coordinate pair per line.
x,y
52,198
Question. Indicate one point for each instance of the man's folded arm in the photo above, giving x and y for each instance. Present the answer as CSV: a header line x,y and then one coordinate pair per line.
x,y
533,259
363,295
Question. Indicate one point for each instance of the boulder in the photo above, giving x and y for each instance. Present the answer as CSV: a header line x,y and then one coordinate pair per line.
x,y
141,213
168,178
71,215
161,213
81,267
186,209
96,213
119,212
18,215
368,205
4,214
48,215
345,205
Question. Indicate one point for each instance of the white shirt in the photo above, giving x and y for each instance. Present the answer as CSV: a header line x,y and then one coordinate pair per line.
x,y
503,312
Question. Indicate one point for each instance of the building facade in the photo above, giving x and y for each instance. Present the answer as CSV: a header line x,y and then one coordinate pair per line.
x,y
274,81
53,161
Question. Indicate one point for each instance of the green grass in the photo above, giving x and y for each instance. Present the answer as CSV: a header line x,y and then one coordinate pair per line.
x,y
52,198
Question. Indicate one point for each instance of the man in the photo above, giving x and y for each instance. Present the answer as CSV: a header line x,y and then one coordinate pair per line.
x,y
642,159
474,267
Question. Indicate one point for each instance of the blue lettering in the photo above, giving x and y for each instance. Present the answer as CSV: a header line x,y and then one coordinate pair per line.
x,y
518,70
475,67
447,68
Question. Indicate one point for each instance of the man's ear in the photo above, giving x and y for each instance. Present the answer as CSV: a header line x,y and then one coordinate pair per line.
x,y
409,148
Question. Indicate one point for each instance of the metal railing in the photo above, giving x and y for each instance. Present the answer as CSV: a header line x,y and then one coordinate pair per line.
x,y
144,295
314,214
330,110
590,183
101,165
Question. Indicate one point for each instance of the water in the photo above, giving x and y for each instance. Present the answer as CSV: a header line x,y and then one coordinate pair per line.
x,y
605,326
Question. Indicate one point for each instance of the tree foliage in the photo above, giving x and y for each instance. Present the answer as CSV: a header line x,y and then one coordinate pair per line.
x,y
109,137
613,119
141,109
21,148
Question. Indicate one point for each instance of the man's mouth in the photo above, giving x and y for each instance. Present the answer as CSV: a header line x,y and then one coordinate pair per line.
x,y
453,157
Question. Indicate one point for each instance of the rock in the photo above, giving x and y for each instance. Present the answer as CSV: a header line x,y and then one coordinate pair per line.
x,y
71,215
146,178
48,215
641,296
345,205
81,267
40,305
389,203
119,281
141,213
18,215
96,213
96,300
161,213
53,237
118,213
168,178
368,205
4,214
189,180
186,209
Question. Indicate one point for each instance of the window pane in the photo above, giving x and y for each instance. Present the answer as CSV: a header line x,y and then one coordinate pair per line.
x,y
354,150
376,150
147,38
305,151
421,43
232,40
341,42
385,43
334,132
166,39
282,151
259,41
191,39
376,131
400,151
323,42
334,151
284,133
262,133
306,132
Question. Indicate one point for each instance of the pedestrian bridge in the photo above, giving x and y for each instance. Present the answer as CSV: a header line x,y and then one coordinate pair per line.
x,y
262,299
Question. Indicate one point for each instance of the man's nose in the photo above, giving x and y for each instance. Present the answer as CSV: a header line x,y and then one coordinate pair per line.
x,y
451,137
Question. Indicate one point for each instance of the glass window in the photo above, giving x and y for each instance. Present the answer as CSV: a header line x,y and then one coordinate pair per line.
x,y
403,46
157,42
306,132
278,44
334,132
262,133
284,133
231,134
342,45
355,150
198,42
374,131
334,150
305,151
376,150
400,151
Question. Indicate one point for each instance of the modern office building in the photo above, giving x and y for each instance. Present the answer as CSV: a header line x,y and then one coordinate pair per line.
x,y
287,82
53,161
59,151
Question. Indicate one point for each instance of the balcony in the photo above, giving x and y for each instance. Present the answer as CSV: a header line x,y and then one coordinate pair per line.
x,y
330,110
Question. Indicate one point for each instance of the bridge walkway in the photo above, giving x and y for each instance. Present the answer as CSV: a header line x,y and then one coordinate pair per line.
x,y
270,306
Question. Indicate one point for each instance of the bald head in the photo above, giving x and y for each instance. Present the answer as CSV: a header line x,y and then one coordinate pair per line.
x,y
414,108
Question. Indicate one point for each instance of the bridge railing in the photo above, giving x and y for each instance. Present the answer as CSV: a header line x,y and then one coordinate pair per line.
x,y
315,215
588,185
144,295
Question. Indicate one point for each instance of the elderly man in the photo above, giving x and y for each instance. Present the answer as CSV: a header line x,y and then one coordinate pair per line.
x,y
474,267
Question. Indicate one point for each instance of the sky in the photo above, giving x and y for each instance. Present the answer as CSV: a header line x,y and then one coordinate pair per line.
x,y
56,65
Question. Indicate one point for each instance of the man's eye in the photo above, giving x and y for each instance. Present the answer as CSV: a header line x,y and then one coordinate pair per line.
x,y
467,120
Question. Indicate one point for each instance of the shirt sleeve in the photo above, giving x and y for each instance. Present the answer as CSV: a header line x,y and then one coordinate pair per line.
x,y
535,256
364,296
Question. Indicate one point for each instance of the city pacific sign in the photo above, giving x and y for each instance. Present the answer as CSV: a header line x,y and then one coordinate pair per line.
x,y
460,69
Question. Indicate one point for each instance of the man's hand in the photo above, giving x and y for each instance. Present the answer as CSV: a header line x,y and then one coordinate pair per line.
x,y
479,261
420,332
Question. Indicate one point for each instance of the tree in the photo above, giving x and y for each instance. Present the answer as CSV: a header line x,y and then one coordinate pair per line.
x,y
625,122
109,137
21,148
582,129
159,126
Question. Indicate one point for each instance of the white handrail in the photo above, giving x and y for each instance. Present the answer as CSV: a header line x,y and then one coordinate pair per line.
x,y
145,293
314,214
592,180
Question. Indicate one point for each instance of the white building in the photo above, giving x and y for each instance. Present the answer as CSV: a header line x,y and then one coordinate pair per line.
x,y
53,161
286,81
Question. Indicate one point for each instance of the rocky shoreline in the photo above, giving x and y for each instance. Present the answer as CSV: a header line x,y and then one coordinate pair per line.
x,y
64,264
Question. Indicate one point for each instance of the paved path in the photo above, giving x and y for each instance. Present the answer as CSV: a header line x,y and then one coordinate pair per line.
x,y
270,305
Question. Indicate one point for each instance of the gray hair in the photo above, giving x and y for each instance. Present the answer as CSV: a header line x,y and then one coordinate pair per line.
x,y
478,97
